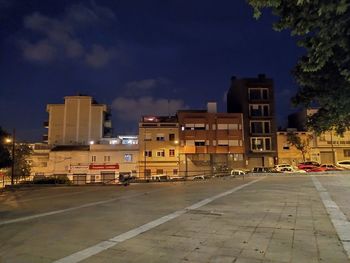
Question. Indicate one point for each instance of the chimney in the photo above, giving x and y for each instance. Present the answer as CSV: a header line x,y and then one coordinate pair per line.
x,y
261,76
211,107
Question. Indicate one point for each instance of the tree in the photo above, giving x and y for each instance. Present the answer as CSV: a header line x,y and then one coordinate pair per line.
x,y
22,164
5,159
323,74
303,145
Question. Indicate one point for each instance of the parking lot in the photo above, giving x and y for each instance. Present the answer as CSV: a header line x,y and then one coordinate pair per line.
x,y
280,218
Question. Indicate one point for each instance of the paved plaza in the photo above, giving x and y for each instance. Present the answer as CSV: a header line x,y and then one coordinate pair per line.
x,y
293,218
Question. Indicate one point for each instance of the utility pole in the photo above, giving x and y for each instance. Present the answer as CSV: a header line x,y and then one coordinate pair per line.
x,y
13,156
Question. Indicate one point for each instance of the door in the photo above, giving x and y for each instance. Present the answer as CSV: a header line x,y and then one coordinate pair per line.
x,y
79,178
326,157
108,177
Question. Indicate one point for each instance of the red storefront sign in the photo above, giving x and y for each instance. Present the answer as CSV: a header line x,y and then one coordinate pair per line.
x,y
103,166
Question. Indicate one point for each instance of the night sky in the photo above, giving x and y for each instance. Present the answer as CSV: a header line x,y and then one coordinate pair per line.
x,y
134,56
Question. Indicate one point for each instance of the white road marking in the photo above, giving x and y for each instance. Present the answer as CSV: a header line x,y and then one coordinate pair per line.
x,y
339,220
26,218
104,245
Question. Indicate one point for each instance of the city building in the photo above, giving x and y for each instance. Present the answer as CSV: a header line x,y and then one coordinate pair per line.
x,y
79,121
95,163
328,147
159,146
254,98
210,141
288,153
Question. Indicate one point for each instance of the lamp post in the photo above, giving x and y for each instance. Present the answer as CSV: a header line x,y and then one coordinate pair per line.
x,y
13,155
13,140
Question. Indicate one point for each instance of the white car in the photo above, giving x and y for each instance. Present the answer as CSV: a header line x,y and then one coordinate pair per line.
x,y
344,164
236,172
282,167
292,169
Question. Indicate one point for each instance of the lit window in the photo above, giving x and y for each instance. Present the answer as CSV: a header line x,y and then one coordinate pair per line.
x,y
128,157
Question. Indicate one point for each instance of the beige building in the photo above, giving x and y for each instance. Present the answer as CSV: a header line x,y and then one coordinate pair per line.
x,y
159,146
90,163
80,120
329,147
288,153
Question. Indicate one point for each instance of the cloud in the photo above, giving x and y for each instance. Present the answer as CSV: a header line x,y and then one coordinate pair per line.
x,y
58,36
130,109
145,86
99,56
41,51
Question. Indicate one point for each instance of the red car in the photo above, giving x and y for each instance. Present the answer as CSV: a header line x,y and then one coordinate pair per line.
x,y
308,165
325,168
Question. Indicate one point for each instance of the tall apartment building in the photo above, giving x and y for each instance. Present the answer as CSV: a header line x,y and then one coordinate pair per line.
x,y
255,99
80,120
159,146
210,141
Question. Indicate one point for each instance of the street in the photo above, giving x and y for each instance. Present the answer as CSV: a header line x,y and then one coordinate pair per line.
x,y
287,218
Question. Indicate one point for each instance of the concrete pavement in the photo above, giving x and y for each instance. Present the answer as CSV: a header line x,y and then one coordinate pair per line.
x,y
277,219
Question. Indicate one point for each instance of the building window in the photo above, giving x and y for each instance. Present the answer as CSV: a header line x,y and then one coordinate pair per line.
x,y
233,126
171,137
148,136
233,142
199,143
286,147
347,153
161,153
171,152
260,127
107,158
258,94
148,154
147,172
238,157
260,144
93,159
222,126
175,171
222,142
160,137
259,110
128,157
159,171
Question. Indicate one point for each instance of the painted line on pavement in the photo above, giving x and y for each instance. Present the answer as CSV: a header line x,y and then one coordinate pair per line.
x,y
26,218
338,218
104,245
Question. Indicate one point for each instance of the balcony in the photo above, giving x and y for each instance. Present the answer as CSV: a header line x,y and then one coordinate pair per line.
x,y
46,124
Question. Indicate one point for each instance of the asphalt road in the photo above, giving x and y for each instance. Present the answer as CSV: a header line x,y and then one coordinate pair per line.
x,y
271,219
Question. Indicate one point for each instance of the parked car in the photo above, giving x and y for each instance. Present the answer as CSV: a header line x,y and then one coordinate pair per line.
x,y
292,169
282,167
325,168
263,170
344,164
236,172
308,165
199,177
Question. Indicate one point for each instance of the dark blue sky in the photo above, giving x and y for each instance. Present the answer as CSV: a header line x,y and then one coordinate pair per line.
x,y
134,56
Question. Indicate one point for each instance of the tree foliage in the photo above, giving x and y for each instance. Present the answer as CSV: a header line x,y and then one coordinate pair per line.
x,y
323,74
5,159
302,145
22,164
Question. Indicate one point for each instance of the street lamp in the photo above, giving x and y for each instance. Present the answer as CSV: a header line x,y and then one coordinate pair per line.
x,y
13,140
